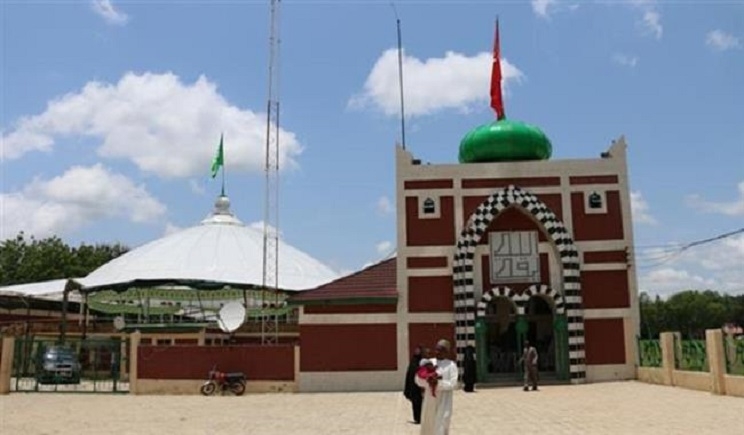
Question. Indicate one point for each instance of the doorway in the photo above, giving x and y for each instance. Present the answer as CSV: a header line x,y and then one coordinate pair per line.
x,y
506,319
501,338
540,319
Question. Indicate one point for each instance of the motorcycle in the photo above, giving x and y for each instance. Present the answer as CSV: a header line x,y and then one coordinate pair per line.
x,y
234,382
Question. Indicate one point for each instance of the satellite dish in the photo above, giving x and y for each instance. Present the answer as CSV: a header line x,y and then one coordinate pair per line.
x,y
231,316
119,323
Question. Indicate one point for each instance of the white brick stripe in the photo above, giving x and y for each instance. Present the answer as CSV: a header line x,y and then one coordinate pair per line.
x,y
575,340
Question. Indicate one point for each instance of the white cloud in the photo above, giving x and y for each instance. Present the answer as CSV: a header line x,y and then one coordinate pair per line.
x,y
105,9
547,8
68,202
731,208
384,206
196,187
625,60
455,81
542,7
639,208
383,248
164,126
670,280
652,23
714,266
721,41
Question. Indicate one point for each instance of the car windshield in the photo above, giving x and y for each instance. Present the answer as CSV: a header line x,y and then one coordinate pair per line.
x,y
59,355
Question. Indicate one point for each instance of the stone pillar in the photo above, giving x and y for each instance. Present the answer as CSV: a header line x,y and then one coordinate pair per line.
x,y
6,364
134,341
714,347
666,341
297,369
201,338
123,358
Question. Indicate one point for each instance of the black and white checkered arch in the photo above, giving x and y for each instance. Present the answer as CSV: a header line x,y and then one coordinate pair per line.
x,y
464,295
520,300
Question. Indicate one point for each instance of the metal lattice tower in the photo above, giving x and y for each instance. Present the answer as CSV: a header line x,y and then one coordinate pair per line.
x,y
270,281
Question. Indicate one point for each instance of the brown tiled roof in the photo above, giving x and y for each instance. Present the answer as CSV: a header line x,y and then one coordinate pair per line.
x,y
374,282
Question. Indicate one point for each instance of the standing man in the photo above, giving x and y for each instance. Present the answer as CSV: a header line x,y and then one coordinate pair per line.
x,y
469,370
412,391
438,409
529,359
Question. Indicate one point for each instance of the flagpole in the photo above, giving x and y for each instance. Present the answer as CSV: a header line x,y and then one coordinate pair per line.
x,y
222,150
501,78
400,80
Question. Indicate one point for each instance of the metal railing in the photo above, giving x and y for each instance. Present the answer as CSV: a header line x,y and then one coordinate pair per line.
x,y
690,355
75,366
649,353
734,350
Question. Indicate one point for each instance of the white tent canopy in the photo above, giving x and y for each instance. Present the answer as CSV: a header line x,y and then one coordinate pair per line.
x,y
51,290
221,251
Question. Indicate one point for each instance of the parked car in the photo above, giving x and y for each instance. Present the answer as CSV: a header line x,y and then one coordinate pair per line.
x,y
58,365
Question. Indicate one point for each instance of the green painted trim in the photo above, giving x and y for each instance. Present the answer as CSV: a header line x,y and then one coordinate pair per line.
x,y
193,284
172,327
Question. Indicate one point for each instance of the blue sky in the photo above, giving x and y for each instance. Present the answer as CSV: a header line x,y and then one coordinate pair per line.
x,y
111,112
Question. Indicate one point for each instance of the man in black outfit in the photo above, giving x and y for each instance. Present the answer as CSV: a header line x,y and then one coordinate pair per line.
x,y
469,375
411,390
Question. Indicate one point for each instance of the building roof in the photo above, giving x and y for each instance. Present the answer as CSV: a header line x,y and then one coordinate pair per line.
x,y
220,251
374,283
49,290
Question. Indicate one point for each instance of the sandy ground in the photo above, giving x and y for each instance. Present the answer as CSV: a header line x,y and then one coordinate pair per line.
x,y
610,408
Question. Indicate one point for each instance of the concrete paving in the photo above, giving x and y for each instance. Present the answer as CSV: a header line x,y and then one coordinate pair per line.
x,y
605,408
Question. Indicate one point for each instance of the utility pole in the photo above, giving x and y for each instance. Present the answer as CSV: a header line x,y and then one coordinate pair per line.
x,y
270,281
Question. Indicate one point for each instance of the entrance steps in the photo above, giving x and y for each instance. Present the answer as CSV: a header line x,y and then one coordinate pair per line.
x,y
513,382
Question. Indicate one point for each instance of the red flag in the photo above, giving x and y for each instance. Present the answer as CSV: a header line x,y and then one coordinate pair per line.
x,y
497,100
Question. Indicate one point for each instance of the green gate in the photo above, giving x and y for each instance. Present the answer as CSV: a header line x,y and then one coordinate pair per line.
x,y
92,365
562,348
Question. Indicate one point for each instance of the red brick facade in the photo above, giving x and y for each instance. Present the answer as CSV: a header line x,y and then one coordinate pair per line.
x,y
360,347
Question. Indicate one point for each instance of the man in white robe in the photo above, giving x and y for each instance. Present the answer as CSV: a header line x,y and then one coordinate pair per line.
x,y
437,408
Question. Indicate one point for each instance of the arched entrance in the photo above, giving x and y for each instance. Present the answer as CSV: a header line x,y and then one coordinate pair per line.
x,y
506,318
498,330
464,295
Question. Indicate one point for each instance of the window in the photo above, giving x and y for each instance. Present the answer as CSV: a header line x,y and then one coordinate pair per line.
x,y
595,200
429,206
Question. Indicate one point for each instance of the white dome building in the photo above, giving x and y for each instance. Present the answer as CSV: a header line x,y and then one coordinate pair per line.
x,y
221,251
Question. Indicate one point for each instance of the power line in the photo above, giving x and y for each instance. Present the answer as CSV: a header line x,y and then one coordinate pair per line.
x,y
665,256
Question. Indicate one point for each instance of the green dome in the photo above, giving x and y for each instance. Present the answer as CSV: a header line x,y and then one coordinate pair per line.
x,y
504,141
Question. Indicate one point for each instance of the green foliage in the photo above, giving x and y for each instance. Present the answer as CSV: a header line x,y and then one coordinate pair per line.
x,y
690,312
24,260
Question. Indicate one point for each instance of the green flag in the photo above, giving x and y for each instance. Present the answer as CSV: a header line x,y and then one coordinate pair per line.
x,y
219,159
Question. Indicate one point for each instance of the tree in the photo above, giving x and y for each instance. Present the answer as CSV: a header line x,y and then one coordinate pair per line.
x,y
24,260
689,312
